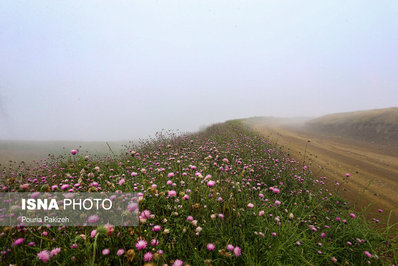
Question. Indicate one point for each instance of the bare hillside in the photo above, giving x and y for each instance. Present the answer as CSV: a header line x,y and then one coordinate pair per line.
x,y
376,126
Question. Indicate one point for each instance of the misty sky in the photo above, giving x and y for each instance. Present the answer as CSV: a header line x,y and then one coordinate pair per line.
x,y
117,70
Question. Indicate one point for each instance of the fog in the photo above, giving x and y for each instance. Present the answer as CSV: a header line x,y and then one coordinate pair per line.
x,y
121,70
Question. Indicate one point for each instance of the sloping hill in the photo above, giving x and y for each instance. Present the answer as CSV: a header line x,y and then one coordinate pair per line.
x,y
377,126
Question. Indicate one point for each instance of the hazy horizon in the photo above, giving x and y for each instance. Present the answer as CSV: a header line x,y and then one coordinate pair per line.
x,y
122,70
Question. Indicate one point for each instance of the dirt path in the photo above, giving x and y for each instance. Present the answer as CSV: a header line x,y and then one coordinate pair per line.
x,y
374,170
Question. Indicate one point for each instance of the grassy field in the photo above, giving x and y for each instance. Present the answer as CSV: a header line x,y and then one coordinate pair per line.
x,y
223,196
29,151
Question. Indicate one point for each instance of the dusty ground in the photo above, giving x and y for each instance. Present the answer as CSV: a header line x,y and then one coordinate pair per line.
x,y
373,169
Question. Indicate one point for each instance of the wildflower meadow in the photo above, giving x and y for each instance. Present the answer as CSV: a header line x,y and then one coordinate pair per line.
x,y
222,196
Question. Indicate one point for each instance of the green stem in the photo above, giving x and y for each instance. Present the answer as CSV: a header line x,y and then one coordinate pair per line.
x,y
95,249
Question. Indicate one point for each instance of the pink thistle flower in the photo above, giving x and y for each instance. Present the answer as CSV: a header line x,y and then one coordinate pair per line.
x,y
146,214
352,215
211,247
237,251
132,206
74,151
148,256
93,233
261,213
44,256
367,253
211,183
141,244
230,247
35,195
178,263
24,186
274,234
109,229
156,228
17,242
313,228
133,174
105,252
250,205
93,219
277,203
172,193
189,218
154,242
120,252
170,175
55,252
347,175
